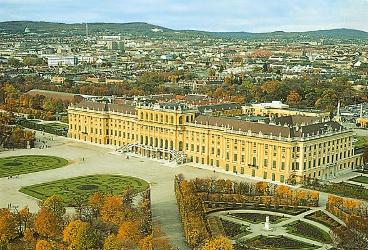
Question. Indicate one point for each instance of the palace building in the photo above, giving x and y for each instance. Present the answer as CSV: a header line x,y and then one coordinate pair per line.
x,y
281,149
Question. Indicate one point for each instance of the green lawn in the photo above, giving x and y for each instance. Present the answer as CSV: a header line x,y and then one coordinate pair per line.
x,y
360,179
361,142
80,188
16,165
309,231
56,125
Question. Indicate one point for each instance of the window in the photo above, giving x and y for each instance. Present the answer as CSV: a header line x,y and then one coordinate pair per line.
x,y
254,161
273,176
253,172
282,165
265,175
282,179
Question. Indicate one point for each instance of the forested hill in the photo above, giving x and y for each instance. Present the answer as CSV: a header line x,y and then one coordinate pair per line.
x,y
140,28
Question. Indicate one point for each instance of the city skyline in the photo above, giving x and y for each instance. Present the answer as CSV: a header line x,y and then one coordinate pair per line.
x,y
249,16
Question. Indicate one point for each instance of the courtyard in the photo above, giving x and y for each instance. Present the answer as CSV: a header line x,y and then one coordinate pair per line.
x,y
87,159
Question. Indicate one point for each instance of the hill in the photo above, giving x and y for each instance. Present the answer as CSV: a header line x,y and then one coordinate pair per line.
x,y
141,28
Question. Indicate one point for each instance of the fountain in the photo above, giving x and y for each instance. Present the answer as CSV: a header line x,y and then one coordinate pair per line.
x,y
267,223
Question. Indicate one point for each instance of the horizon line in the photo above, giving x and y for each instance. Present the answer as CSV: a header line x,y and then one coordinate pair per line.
x,y
187,29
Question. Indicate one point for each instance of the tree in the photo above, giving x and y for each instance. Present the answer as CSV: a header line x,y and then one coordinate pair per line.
x,y
262,187
24,217
76,235
112,210
145,243
129,233
48,245
48,224
220,243
14,62
55,204
7,225
111,243
293,98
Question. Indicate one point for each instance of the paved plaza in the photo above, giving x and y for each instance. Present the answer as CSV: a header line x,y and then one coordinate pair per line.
x,y
103,160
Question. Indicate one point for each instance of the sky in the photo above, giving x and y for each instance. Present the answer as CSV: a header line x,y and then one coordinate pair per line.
x,y
209,15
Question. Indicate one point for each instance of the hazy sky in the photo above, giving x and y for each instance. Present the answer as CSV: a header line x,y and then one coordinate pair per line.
x,y
212,15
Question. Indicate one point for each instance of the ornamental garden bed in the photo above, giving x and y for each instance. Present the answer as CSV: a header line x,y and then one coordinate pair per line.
x,y
16,165
323,218
257,218
233,229
306,230
342,189
360,179
76,190
275,243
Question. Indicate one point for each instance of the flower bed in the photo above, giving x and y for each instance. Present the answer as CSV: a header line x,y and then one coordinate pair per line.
x,y
232,229
257,218
281,242
323,218
342,189
309,231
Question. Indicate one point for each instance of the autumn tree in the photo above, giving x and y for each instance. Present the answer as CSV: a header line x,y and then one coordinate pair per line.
x,y
7,225
262,187
219,243
113,210
129,234
48,245
76,235
112,243
48,224
293,98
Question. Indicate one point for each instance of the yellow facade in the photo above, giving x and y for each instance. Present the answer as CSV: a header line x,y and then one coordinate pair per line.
x,y
176,133
362,121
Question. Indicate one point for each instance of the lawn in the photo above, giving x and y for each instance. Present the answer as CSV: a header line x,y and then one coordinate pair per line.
x,y
56,126
16,165
280,242
257,218
360,179
362,141
75,190
309,231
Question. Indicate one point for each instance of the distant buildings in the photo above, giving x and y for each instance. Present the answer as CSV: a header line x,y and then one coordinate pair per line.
x,y
277,109
58,60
